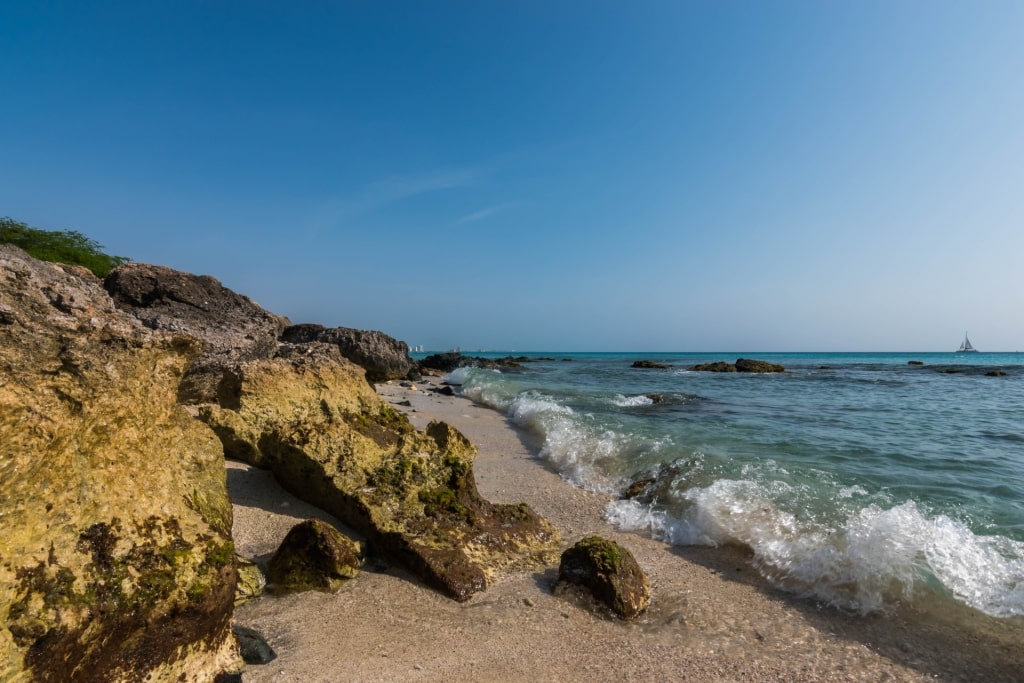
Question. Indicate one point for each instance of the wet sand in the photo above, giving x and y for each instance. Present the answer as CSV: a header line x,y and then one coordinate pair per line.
x,y
712,618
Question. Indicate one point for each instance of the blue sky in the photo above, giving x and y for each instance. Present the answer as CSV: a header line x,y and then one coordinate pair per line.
x,y
649,176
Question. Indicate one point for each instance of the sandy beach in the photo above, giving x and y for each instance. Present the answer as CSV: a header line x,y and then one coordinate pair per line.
x,y
712,617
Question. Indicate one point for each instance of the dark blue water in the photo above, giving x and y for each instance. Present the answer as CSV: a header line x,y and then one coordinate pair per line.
x,y
855,479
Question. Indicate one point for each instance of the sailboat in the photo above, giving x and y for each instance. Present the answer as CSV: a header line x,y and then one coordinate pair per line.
x,y
965,346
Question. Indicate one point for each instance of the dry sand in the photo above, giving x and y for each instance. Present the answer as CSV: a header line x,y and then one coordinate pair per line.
x,y
712,618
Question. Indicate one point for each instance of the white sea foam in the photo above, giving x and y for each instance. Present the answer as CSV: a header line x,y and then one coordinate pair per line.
x,y
631,401
631,515
873,559
458,376
567,441
809,533
851,491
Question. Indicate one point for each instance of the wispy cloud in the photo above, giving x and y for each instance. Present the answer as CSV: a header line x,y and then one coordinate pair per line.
x,y
484,213
380,194
391,190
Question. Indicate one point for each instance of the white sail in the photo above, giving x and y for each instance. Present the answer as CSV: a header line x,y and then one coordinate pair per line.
x,y
965,345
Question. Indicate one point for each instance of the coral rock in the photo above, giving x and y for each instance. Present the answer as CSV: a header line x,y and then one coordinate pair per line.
x,y
310,417
116,557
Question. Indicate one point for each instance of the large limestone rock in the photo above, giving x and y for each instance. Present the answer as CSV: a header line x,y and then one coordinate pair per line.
x,y
383,357
233,328
116,557
310,416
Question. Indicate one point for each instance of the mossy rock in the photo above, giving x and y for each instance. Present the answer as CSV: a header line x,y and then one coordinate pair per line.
x,y
609,572
313,420
251,581
313,556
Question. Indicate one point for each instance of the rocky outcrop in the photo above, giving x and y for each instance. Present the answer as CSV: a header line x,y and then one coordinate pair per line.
x,y
233,328
313,556
445,362
116,559
741,365
649,365
609,572
310,417
452,360
749,365
383,357
717,366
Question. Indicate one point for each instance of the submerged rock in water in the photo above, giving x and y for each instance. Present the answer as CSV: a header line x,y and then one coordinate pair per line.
x,y
656,484
718,366
117,556
749,365
310,417
609,572
649,365
313,556
741,365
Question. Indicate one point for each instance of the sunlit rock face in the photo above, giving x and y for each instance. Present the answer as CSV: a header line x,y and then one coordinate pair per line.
x,y
310,416
116,560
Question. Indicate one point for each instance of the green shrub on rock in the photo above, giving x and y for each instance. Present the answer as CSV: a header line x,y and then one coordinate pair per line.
x,y
59,246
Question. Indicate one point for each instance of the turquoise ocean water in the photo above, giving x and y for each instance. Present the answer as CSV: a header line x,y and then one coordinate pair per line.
x,y
855,479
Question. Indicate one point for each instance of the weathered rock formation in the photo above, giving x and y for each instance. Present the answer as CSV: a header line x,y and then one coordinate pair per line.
x,y
116,562
609,572
313,556
741,365
383,357
233,328
116,558
310,417
302,407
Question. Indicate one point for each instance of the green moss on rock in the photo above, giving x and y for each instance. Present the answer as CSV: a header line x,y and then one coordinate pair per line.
x,y
313,556
330,440
610,574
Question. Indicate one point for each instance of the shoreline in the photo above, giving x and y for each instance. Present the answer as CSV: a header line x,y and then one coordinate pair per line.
x,y
711,618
